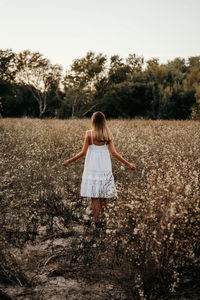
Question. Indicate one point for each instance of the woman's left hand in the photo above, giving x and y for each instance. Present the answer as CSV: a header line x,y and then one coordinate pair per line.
x,y
66,163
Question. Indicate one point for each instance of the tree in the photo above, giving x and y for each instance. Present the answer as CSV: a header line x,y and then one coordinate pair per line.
x,y
37,73
89,68
192,81
80,82
177,105
118,70
135,63
7,77
177,71
8,67
19,103
125,99
156,72
194,61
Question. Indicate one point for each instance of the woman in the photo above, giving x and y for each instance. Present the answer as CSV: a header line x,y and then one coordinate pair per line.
x,y
97,180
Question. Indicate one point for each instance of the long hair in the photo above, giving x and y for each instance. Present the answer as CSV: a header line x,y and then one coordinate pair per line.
x,y
102,133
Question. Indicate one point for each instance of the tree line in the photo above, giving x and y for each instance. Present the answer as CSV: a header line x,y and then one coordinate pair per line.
x,y
30,85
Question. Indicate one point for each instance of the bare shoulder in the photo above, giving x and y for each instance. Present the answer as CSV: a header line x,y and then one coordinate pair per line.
x,y
88,132
88,135
110,143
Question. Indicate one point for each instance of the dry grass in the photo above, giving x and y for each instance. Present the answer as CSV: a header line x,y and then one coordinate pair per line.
x,y
153,225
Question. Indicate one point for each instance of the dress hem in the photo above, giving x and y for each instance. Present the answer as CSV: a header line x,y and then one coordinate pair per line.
x,y
99,197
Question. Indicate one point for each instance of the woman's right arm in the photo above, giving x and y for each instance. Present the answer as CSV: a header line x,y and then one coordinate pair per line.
x,y
81,154
119,157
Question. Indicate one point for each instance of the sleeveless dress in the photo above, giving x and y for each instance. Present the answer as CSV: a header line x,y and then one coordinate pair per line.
x,y
97,179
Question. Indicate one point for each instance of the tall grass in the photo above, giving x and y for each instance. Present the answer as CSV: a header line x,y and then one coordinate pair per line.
x,y
152,231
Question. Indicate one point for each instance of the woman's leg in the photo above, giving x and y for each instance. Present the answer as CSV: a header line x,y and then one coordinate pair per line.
x,y
96,209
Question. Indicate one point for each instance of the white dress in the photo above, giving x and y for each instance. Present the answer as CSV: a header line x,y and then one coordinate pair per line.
x,y
97,179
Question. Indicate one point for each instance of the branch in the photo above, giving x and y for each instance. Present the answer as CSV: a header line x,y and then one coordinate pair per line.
x,y
89,109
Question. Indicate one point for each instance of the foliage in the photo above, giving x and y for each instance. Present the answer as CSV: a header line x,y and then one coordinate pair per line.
x,y
8,68
130,87
38,74
80,81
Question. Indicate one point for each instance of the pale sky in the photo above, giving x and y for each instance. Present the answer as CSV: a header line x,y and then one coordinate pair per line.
x,y
63,30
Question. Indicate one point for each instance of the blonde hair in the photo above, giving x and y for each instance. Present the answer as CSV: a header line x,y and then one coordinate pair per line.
x,y
102,133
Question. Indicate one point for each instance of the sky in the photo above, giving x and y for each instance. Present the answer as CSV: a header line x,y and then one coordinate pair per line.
x,y
63,30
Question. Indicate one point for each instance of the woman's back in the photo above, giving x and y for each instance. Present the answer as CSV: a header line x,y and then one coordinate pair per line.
x,y
94,141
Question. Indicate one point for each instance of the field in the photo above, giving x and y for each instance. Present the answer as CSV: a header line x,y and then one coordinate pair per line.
x,y
149,248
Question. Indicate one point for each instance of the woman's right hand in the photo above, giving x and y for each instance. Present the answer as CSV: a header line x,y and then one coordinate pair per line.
x,y
132,166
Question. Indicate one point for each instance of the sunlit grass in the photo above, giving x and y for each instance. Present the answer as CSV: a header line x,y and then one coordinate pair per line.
x,y
153,224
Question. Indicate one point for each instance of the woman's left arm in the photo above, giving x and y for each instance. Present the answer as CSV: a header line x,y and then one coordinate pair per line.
x,y
119,157
81,154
